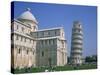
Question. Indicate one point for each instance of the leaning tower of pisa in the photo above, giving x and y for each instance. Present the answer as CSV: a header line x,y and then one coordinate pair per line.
x,y
76,43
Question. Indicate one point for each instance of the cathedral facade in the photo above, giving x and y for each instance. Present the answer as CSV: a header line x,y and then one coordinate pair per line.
x,y
31,47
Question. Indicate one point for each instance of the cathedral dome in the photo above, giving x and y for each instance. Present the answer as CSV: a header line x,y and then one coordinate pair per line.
x,y
27,15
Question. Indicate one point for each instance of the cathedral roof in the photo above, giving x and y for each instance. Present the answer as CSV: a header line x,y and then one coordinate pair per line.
x,y
27,15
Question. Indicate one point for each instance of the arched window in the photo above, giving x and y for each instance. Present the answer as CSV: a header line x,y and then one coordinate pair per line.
x,y
21,38
17,37
27,51
17,27
19,50
42,53
22,29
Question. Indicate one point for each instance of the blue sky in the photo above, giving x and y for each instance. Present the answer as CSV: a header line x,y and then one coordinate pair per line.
x,y
57,15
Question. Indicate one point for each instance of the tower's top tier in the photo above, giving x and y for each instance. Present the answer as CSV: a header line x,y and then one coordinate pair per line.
x,y
27,15
77,24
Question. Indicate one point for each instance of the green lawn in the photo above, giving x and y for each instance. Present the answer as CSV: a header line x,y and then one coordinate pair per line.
x,y
58,68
